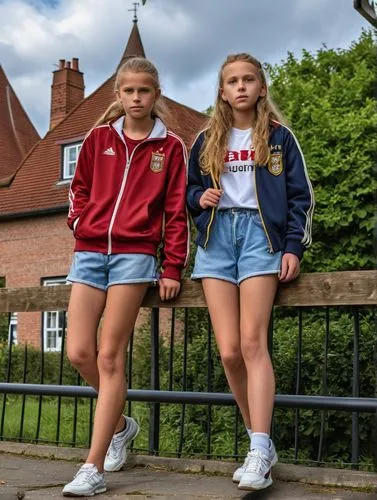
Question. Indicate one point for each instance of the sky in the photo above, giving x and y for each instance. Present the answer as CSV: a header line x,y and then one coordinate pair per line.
x,y
186,39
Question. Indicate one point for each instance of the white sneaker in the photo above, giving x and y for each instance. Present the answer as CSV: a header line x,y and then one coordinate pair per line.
x,y
257,470
238,473
86,483
117,453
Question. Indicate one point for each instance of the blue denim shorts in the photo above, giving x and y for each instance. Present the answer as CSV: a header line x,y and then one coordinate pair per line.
x,y
237,248
101,270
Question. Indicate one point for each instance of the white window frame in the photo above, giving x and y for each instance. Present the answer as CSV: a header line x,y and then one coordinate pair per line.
x,y
53,332
12,329
68,164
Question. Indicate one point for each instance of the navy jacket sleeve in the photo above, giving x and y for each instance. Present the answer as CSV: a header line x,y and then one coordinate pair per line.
x,y
300,199
195,187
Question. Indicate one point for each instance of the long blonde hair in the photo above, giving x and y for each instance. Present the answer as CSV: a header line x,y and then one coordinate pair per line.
x,y
136,65
216,136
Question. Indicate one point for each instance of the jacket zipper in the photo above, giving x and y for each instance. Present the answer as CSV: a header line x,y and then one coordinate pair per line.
x,y
121,191
260,212
212,217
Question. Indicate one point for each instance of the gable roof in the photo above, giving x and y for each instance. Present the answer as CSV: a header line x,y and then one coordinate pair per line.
x,y
17,133
37,188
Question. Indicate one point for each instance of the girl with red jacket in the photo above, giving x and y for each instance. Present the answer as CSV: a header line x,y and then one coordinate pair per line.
x,y
127,196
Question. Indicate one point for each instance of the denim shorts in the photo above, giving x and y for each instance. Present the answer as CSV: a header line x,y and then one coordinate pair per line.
x,y
237,248
101,270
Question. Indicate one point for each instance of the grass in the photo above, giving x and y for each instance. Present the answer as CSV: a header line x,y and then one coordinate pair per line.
x,y
193,442
194,439
49,416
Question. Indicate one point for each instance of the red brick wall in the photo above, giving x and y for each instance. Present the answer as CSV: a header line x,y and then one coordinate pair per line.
x,y
39,248
32,249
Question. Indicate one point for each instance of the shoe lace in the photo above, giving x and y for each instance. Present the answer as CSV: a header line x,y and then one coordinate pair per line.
x,y
257,462
115,445
112,449
85,474
246,461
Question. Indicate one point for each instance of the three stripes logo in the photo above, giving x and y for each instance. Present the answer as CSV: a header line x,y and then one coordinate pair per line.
x,y
109,151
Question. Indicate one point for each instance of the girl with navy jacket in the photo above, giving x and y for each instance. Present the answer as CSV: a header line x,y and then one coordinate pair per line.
x,y
252,203
127,196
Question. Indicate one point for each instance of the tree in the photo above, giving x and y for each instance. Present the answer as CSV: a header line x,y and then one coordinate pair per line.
x,y
208,111
329,99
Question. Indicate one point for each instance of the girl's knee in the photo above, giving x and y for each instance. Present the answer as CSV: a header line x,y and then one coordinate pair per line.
x,y
109,362
253,346
80,358
232,359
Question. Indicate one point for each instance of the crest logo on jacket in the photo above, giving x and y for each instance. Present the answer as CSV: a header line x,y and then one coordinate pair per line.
x,y
275,164
157,162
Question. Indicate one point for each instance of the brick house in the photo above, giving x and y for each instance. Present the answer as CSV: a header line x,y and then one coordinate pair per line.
x,y
35,243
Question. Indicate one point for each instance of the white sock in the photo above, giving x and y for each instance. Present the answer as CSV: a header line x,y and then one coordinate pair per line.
x,y
260,441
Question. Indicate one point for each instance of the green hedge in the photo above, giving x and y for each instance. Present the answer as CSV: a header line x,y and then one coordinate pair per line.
x,y
51,366
339,375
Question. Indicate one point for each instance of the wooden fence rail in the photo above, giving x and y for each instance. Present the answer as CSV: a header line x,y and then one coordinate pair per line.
x,y
345,288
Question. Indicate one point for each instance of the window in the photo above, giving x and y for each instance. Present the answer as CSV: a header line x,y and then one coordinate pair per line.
x,y
12,329
53,322
70,155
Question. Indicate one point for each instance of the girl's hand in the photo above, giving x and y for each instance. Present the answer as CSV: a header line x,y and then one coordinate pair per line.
x,y
169,288
210,197
290,267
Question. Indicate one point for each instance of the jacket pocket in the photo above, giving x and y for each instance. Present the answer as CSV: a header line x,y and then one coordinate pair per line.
x,y
75,224
202,221
78,228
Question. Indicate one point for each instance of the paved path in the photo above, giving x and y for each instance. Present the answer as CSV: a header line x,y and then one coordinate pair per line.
x,y
39,479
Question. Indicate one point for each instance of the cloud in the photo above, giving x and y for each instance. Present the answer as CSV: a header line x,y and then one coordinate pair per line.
x,y
186,40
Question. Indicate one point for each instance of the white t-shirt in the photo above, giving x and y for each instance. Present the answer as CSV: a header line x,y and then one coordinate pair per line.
x,y
237,181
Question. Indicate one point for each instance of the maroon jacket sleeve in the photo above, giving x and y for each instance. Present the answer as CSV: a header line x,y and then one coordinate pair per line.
x,y
81,184
176,234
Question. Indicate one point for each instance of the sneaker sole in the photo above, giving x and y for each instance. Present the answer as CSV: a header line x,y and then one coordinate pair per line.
x,y
97,492
118,468
247,487
274,461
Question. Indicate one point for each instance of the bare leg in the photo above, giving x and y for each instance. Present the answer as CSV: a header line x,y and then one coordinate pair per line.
x,y
256,300
85,309
223,304
122,306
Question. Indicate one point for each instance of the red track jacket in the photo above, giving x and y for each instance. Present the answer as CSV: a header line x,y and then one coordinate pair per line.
x,y
121,203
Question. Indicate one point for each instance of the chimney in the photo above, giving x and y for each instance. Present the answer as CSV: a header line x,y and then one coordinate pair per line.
x,y
67,89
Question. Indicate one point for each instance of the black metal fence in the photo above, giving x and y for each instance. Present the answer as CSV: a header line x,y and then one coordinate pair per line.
x,y
326,406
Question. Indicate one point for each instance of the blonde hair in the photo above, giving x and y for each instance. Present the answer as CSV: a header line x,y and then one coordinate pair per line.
x,y
216,136
135,65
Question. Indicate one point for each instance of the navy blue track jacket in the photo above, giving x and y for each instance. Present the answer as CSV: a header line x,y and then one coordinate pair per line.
x,y
284,194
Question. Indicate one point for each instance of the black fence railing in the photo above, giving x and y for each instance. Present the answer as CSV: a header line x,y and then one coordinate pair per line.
x,y
323,349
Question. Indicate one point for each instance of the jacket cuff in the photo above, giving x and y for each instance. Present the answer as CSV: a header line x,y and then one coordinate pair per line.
x,y
171,272
294,247
197,197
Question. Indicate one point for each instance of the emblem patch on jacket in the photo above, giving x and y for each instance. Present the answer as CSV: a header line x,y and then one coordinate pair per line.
x,y
275,164
157,162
